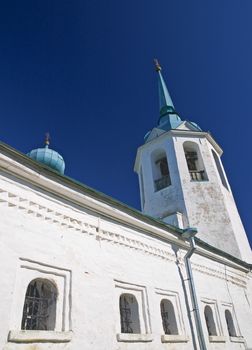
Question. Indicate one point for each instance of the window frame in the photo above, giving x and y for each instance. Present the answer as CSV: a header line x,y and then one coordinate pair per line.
x,y
219,338
27,271
173,297
238,338
140,294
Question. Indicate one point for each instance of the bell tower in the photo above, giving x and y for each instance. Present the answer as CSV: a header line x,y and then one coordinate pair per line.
x,y
182,180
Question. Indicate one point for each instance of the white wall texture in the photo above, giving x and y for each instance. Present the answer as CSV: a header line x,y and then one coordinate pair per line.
x,y
91,257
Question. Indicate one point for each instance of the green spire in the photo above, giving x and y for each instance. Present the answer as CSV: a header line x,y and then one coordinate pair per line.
x,y
165,101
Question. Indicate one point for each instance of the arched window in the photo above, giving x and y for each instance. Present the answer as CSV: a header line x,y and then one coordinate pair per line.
x,y
194,161
168,317
129,314
211,328
220,170
160,170
230,324
39,312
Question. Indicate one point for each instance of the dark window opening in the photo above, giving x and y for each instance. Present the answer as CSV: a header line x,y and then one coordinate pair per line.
x,y
164,179
211,328
191,158
163,166
39,310
194,162
129,314
230,324
168,317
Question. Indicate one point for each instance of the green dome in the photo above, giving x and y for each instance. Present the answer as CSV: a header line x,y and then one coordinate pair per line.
x,y
48,157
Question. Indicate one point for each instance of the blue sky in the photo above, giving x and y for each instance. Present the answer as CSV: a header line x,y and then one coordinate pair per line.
x,y
83,70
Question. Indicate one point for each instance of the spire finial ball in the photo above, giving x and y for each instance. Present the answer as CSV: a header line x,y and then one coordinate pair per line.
x,y
157,65
47,139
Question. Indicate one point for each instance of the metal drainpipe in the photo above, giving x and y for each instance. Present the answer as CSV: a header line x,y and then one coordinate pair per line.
x,y
195,305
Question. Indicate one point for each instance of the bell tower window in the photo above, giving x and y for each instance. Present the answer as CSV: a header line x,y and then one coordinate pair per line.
x,y
160,169
191,158
194,162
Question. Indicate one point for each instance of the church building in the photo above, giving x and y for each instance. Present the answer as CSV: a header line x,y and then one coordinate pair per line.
x,y
83,271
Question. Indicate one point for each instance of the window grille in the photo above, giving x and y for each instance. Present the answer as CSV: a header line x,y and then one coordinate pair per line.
x,y
164,182
165,319
191,158
125,315
39,306
129,314
162,178
195,165
197,175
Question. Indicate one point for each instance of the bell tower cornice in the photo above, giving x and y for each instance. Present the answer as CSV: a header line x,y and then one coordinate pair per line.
x,y
180,133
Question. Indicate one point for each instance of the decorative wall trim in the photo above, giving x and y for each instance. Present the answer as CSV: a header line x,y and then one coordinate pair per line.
x,y
242,282
93,228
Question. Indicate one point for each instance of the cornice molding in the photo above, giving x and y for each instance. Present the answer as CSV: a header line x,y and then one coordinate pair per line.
x,y
174,133
93,227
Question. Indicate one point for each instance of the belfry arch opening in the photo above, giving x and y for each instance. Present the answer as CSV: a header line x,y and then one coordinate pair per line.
x,y
194,161
160,170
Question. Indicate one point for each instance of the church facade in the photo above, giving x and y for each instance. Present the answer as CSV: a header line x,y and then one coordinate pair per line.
x,y
81,270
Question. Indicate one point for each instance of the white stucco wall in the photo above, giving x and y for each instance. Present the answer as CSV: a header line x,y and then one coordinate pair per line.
x,y
91,258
